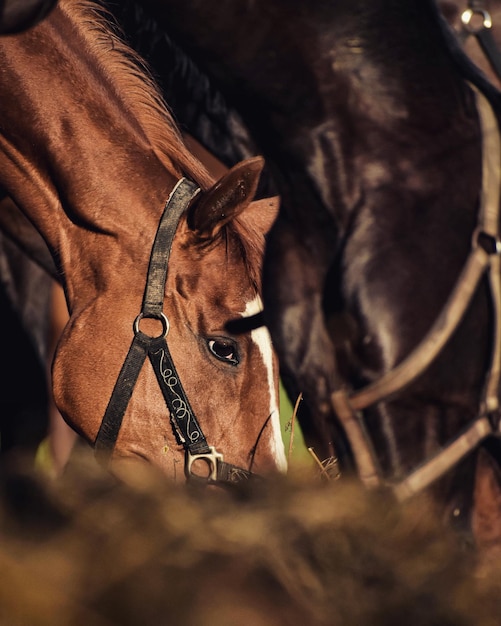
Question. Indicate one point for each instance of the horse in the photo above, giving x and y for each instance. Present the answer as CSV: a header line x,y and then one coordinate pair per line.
x,y
378,131
147,246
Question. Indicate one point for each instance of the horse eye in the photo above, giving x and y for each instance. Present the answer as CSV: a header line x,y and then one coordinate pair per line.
x,y
224,350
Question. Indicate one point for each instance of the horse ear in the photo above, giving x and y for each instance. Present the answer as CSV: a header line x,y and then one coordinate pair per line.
x,y
486,517
261,214
229,197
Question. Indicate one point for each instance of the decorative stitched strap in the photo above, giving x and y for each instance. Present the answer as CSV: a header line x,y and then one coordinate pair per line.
x,y
186,426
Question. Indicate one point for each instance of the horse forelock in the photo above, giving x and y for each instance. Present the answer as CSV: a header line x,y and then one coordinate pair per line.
x,y
251,245
130,75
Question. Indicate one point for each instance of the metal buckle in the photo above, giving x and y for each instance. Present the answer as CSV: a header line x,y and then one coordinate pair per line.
x,y
211,458
466,20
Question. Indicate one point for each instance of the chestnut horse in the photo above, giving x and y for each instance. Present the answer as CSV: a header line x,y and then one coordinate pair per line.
x,y
154,257
379,133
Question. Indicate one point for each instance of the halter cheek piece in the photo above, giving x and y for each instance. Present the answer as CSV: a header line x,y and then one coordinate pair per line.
x,y
184,422
477,21
485,256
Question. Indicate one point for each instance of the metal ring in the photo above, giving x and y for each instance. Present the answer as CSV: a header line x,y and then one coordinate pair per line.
x,y
162,318
469,13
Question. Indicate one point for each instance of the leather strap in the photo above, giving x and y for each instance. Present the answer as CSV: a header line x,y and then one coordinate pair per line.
x,y
181,196
438,464
485,255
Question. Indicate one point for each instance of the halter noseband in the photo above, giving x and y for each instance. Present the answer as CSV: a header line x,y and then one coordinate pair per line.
x,y
485,255
185,424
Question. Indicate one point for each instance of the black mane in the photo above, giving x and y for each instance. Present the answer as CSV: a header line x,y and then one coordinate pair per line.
x,y
197,103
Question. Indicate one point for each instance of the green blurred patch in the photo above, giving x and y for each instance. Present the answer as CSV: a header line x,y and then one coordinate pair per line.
x,y
296,452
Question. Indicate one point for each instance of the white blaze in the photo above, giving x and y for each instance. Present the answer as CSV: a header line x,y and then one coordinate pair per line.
x,y
261,337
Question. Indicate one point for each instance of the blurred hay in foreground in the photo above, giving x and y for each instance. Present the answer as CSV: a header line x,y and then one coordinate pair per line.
x,y
90,550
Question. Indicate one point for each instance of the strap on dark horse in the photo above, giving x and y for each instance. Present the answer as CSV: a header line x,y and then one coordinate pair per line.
x,y
484,257
483,32
185,424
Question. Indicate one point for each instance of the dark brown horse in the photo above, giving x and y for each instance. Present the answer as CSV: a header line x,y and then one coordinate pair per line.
x,y
366,113
90,154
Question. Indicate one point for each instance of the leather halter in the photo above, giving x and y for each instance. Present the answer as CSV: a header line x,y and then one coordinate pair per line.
x,y
184,422
485,256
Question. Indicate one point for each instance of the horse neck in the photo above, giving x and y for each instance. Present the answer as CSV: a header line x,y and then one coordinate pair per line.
x,y
410,85
315,44
381,77
72,155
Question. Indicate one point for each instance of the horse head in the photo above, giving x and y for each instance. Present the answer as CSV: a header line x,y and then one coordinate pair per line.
x,y
228,383
99,170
